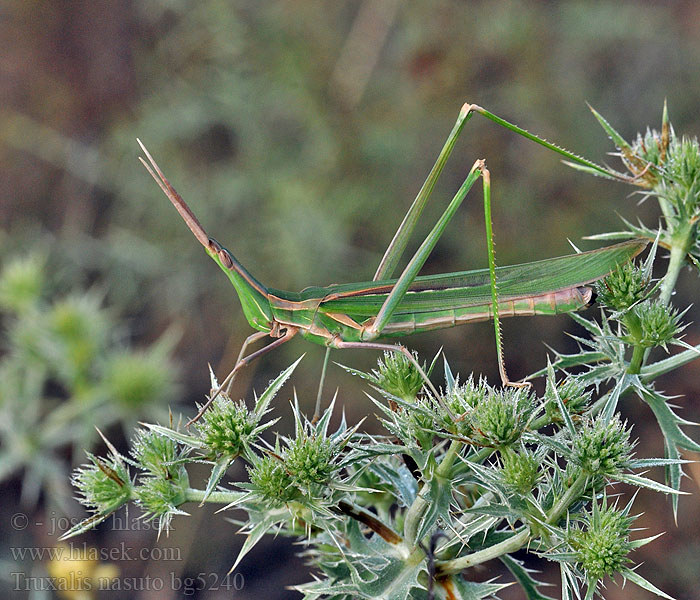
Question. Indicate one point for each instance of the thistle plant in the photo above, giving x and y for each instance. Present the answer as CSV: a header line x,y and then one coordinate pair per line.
x,y
472,475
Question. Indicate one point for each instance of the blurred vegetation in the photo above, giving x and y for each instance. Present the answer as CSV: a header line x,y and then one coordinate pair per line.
x,y
299,131
65,370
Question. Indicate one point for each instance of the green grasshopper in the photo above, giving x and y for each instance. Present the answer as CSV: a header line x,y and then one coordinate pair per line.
x,y
356,315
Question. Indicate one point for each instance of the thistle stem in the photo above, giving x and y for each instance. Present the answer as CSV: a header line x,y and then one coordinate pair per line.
x,y
415,513
571,495
679,248
637,359
193,495
516,541
512,544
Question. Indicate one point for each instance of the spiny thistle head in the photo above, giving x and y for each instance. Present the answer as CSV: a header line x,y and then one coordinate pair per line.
x,y
81,324
21,283
227,427
310,458
464,397
137,379
520,470
398,376
160,495
648,153
602,545
501,417
602,446
573,394
683,164
651,147
104,485
270,479
625,286
155,453
418,426
659,322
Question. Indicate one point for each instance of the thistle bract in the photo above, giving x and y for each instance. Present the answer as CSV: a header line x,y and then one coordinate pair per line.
x,y
309,459
398,376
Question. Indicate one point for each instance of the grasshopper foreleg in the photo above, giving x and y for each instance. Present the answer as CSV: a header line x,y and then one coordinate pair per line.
x,y
242,362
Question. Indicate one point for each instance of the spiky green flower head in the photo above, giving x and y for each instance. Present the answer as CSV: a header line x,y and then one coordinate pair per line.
x,y
651,146
80,326
501,417
227,428
464,397
461,400
398,376
602,544
270,479
601,446
136,379
411,424
159,496
683,168
156,453
310,459
573,394
104,485
624,287
520,469
21,283
659,324
646,156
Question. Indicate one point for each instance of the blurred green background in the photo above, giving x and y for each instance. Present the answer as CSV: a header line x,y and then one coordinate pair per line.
x,y
299,132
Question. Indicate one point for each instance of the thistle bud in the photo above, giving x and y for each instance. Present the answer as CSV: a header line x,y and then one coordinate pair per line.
x,y
603,545
501,417
625,286
159,496
573,394
227,427
138,379
309,459
270,479
21,283
398,376
104,485
659,324
463,398
520,470
154,452
683,167
602,446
